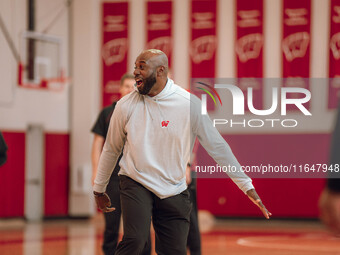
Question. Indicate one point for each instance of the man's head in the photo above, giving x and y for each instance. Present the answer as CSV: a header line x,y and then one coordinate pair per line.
x,y
151,70
127,83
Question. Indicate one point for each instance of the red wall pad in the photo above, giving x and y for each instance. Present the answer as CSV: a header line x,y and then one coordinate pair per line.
x,y
222,197
56,174
12,176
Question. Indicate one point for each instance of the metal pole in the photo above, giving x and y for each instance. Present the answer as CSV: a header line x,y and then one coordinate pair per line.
x,y
31,42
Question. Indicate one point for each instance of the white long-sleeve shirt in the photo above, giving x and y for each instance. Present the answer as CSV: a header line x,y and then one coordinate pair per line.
x,y
157,135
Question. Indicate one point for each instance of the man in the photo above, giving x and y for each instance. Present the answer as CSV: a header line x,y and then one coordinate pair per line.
x,y
112,220
329,202
194,236
156,127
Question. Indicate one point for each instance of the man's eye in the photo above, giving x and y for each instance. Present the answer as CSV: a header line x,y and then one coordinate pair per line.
x,y
139,67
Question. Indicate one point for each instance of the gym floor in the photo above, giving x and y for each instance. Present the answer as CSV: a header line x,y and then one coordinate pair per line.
x,y
219,236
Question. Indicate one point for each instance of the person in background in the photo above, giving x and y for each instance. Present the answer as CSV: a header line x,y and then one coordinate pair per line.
x,y
151,127
194,236
3,150
329,202
100,128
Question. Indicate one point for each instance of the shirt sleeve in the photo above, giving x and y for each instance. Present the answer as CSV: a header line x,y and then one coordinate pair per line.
x,y
112,149
219,150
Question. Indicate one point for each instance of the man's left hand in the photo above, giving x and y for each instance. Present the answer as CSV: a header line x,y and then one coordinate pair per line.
x,y
254,197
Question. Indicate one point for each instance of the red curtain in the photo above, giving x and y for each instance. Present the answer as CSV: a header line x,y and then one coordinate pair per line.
x,y
203,38
296,45
159,27
248,47
114,48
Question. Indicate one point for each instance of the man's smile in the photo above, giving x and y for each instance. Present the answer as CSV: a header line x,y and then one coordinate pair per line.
x,y
139,82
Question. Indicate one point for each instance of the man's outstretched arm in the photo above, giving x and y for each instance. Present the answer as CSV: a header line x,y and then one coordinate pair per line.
x,y
220,151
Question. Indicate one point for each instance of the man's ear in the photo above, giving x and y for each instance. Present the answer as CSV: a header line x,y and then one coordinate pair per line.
x,y
160,71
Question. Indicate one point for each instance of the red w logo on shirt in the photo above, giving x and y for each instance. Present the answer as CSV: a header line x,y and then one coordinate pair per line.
x,y
165,123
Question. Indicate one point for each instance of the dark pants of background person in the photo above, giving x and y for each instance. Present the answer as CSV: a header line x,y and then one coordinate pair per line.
x,y
112,220
194,237
170,218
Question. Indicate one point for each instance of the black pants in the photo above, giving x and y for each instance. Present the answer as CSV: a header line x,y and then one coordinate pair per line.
x,y
194,237
112,220
170,217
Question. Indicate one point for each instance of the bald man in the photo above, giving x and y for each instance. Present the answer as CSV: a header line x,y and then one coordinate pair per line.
x,y
156,127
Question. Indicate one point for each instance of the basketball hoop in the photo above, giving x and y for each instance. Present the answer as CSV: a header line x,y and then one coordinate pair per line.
x,y
40,67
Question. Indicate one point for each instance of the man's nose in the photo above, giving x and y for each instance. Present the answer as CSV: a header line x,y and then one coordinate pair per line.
x,y
136,71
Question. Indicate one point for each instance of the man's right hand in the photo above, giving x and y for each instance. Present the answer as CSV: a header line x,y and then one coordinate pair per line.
x,y
103,202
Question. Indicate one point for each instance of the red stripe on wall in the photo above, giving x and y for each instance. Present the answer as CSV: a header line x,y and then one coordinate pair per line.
x,y
284,198
12,180
222,197
56,174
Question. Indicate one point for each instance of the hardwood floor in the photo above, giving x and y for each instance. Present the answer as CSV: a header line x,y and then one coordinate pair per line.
x,y
219,236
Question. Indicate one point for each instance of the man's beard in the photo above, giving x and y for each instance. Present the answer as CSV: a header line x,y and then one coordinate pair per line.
x,y
148,83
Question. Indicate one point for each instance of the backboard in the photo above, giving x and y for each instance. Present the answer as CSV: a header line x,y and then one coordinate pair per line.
x,y
40,65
